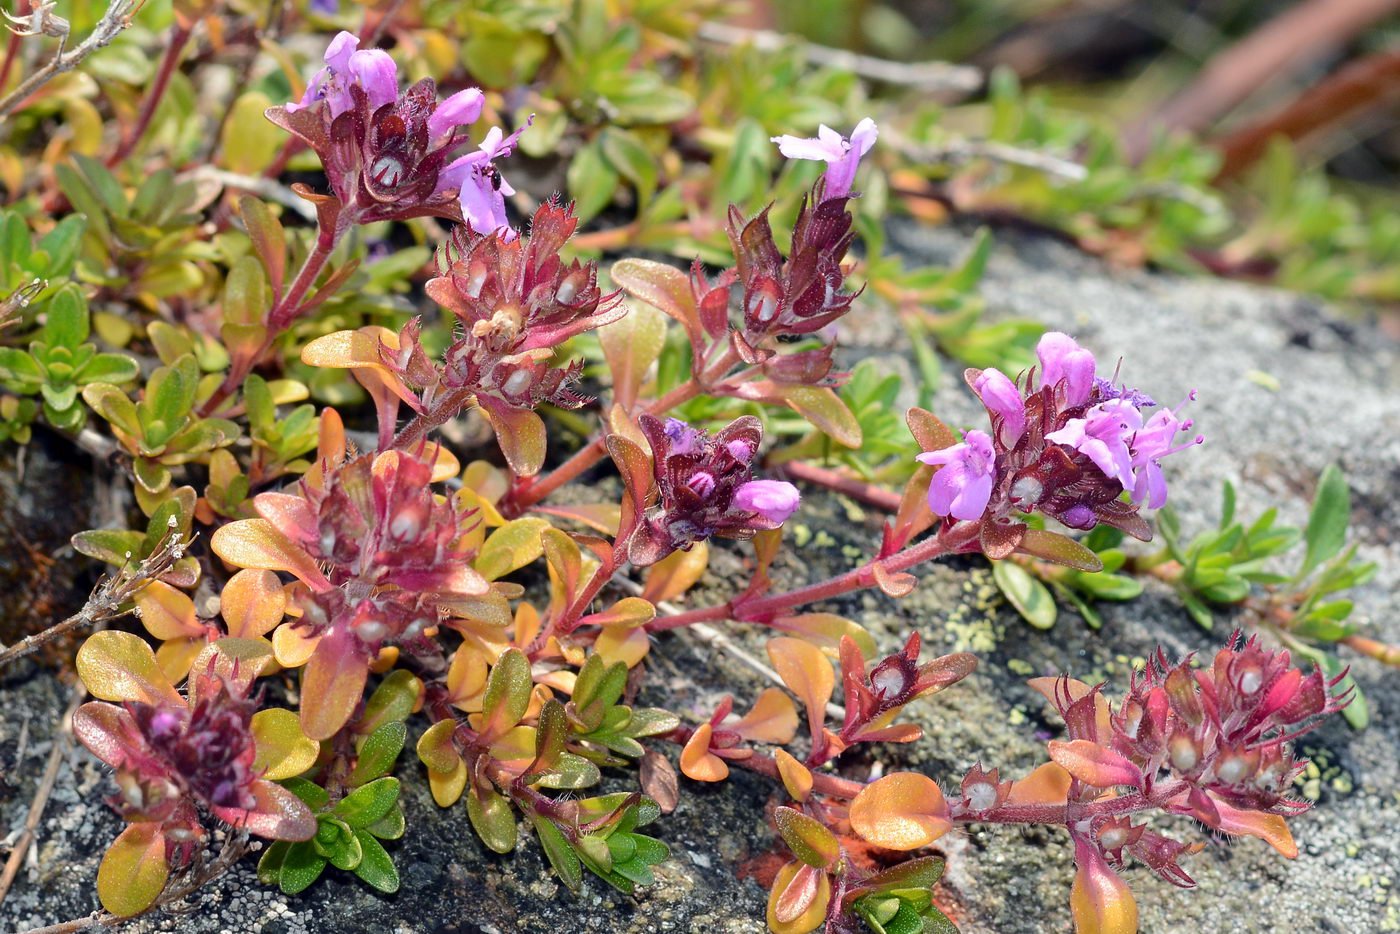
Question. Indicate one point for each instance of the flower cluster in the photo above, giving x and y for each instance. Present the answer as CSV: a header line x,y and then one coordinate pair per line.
x,y
377,550
706,488
1209,743
171,753
389,154
1064,442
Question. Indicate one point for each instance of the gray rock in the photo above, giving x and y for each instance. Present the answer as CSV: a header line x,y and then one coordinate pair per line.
x,y
1338,400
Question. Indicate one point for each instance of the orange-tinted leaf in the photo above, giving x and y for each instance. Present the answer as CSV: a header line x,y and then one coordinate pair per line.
x,y
252,603
698,762
1076,690
332,683
619,644
447,786
807,673
1048,784
120,666
782,900
466,679
929,431
254,543
661,286
435,747
797,778
894,585
1271,828
824,409
176,656
903,811
676,573
520,433
167,613
292,647
628,613
133,871
773,719
825,630
511,547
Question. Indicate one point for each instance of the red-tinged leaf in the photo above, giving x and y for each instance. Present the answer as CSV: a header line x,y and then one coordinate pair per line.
x,y
1095,765
120,666
809,840
332,683
133,871
929,431
896,584
902,733
256,543
1000,539
277,814
903,811
507,694
565,560
661,286
659,782
436,749
808,674
811,917
635,467
520,434
631,346
109,733
800,895
1051,546
698,762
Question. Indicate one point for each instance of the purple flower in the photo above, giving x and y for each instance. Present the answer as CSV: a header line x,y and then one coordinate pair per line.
x,y
460,109
347,65
1150,445
1001,397
483,189
324,7
961,489
1103,435
775,500
841,155
1061,359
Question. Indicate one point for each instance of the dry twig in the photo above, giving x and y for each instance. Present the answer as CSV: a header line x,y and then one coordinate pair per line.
x,y
44,22
109,597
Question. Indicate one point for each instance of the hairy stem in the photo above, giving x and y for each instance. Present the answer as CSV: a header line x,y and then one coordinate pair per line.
x,y
283,314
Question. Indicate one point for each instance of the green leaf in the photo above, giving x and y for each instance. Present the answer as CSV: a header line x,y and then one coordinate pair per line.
x,y
394,699
1029,596
379,753
562,855
376,867
1327,524
572,772
107,368
492,818
809,840
66,323
592,181
507,693
301,866
629,158
368,803
312,794
390,826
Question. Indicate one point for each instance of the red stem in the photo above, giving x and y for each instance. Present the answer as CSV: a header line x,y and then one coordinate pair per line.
x,y
179,38
867,493
283,313
949,541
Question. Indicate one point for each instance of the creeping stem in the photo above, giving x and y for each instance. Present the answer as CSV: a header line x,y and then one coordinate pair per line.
x,y
951,539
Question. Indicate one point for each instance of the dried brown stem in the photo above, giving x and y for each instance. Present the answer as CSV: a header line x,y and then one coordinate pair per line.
x,y
117,18
107,600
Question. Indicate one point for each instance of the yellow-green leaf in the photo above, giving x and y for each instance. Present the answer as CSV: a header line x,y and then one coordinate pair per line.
x,y
283,750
